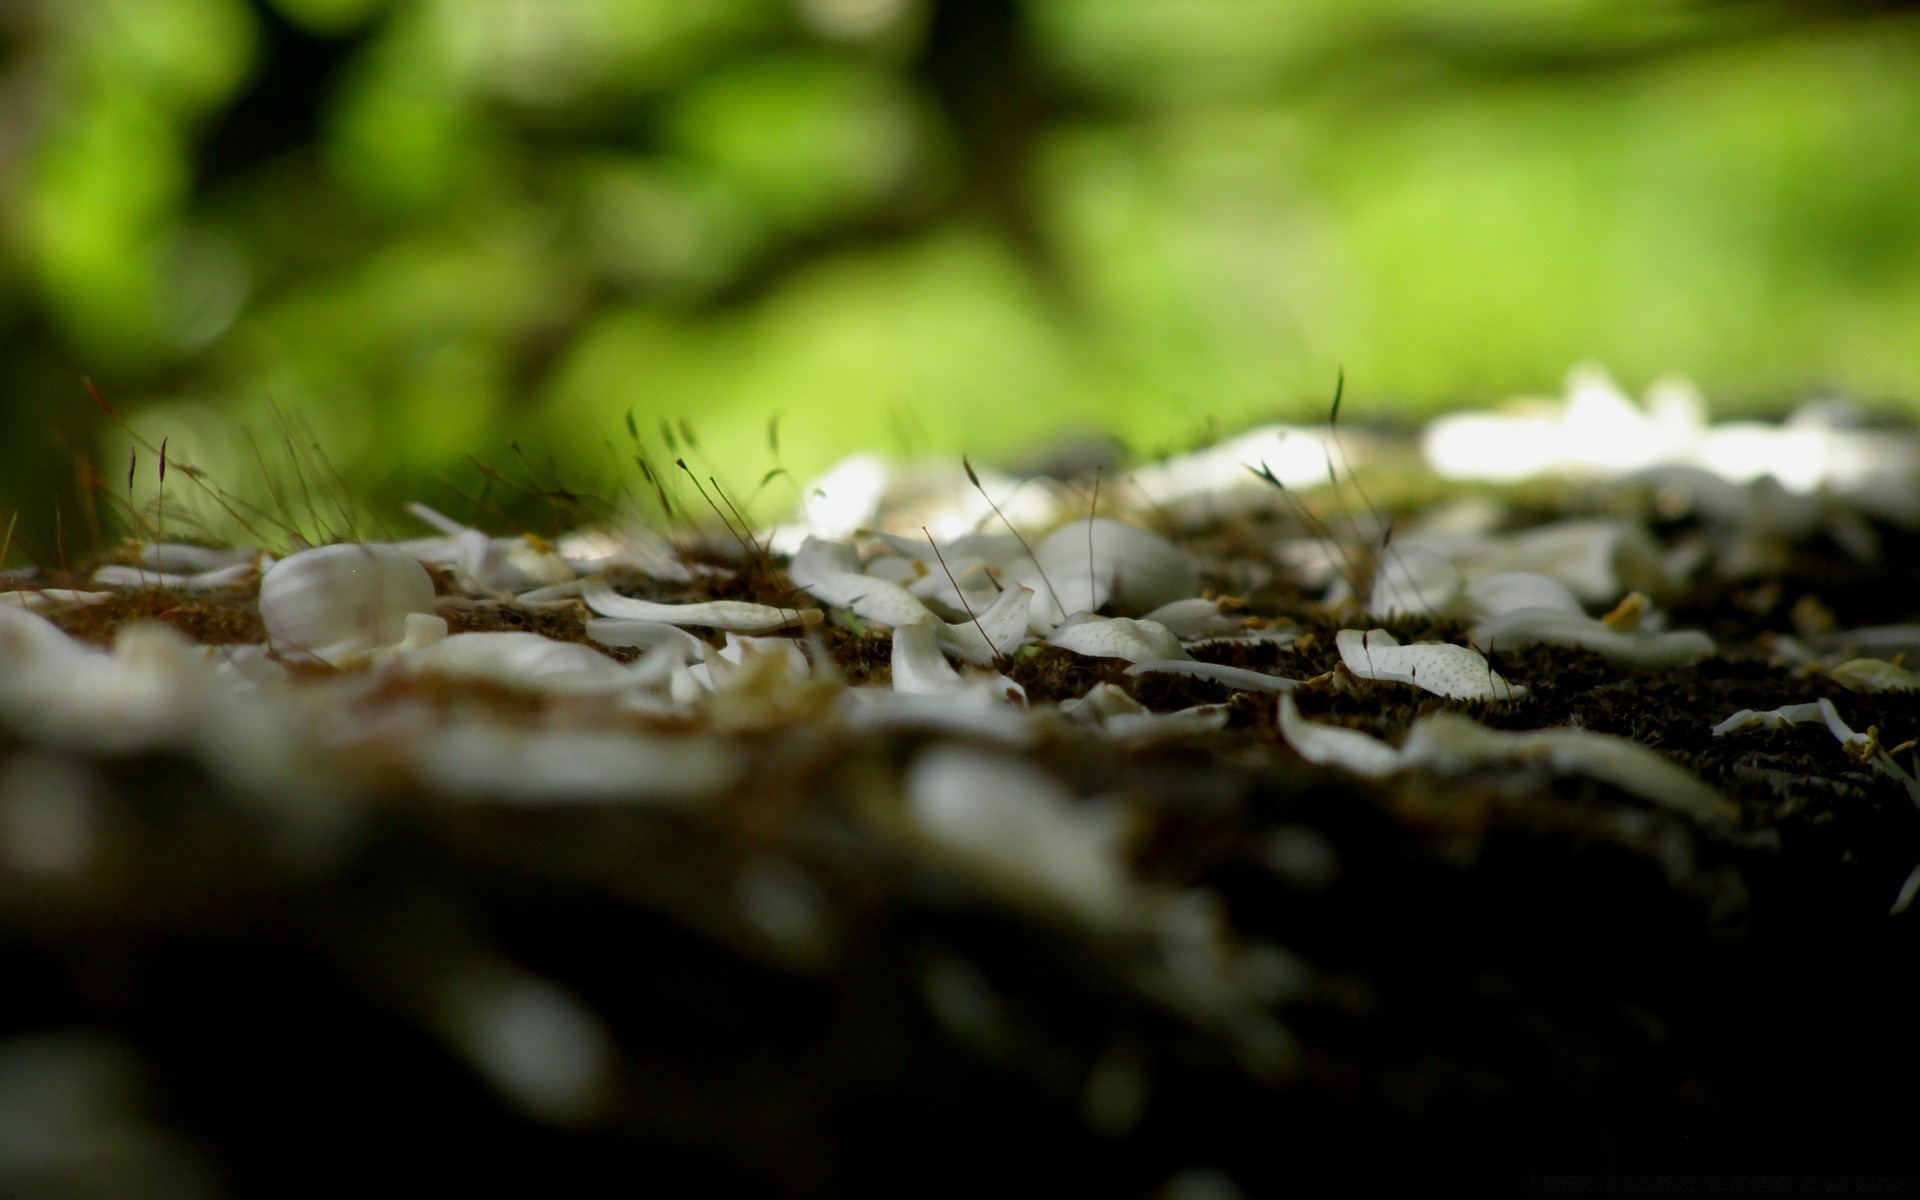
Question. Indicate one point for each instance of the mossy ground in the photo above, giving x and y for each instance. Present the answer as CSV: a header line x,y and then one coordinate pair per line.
x,y
1507,972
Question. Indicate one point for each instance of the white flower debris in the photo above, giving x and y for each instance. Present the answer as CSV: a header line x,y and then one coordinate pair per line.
x,y
1085,565
183,558
1219,481
645,635
1117,637
1021,831
738,616
1457,672
487,564
60,597
340,603
1333,745
1194,619
1451,743
1860,747
1446,572
1414,580
918,667
1639,648
829,571
497,760
1873,675
1778,718
1601,433
118,576
1239,678
1118,714
512,659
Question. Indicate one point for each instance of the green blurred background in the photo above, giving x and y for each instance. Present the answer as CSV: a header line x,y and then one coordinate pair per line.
x,y
419,230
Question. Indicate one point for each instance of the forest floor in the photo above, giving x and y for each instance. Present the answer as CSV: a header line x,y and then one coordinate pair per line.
x,y
782,990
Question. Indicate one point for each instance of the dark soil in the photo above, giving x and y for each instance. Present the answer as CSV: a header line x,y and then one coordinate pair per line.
x,y
1506,974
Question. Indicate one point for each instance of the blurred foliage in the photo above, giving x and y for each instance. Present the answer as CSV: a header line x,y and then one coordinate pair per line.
x,y
420,230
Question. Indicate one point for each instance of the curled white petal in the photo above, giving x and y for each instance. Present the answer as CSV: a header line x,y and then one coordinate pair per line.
x,y
338,603
518,659
645,635
181,558
978,710
1234,677
543,766
1194,619
1084,565
116,575
487,564
1555,627
1775,718
1334,745
1873,675
918,665
995,631
1414,580
1118,637
736,615
1020,830
1507,591
829,572
1451,742
1458,672
45,597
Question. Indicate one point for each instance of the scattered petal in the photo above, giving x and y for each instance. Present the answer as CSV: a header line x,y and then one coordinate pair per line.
x,y
1334,745
1118,637
1557,627
1873,675
340,603
1458,672
736,615
1194,619
1454,743
1234,677
1021,830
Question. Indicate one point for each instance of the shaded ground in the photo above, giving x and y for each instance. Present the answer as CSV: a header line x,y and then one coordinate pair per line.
x,y
1502,974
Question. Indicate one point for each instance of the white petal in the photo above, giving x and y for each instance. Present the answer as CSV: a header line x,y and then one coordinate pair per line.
x,y
737,615
1873,675
996,631
1020,829
502,762
918,666
611,631
1776,718
1507,591
1137,570
1194,619
525,660
1438,667
1334,745
1233,677
978,710
1555,627
180,558
830,572
43,597
339,603
1454,743
1117,637
1414,580
1103,700
115,575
